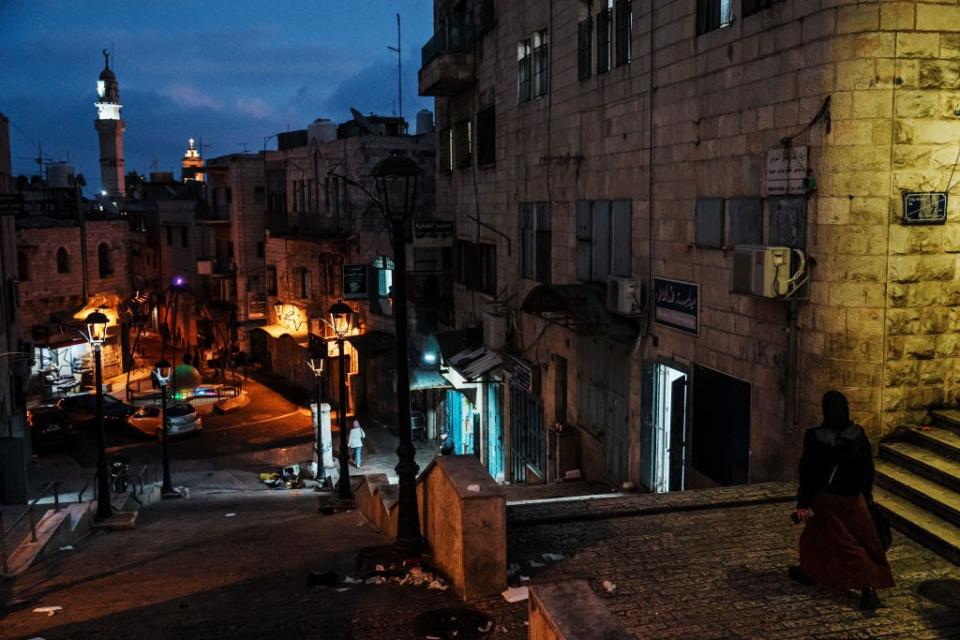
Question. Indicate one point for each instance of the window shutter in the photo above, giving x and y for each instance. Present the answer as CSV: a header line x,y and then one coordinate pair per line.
x,y
600,267
584,236
622,238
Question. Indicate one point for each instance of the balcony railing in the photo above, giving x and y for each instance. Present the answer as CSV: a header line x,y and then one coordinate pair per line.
x,y
453,38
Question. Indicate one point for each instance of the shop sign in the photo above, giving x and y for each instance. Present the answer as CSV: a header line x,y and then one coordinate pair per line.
x,y
677,305
433,233
354,281
786,171
925,208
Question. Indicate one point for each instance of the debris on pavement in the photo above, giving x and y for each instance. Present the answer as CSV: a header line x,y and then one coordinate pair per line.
x,y
453,622
349,580
66,547
230,515
609,586
327,579
536,565
553,557
473,487
289,477
48,610
437,585
516,594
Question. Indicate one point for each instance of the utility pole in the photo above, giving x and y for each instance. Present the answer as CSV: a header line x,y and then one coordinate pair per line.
x,y
399,71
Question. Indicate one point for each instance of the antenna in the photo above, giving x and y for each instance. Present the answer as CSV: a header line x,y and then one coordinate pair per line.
x,y
243,147
399,70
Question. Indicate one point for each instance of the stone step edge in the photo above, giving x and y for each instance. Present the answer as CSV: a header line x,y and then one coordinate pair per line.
x,y
930,435
931,472
906,491
917,531
649,510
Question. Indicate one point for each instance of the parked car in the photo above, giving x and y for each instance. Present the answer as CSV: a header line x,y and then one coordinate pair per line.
x,y
82,409
182,419
50,425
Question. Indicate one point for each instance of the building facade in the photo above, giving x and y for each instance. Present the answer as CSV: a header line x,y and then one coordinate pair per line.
x,y
609,156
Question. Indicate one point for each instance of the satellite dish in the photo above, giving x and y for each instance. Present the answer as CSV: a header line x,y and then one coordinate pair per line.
x,y
361,121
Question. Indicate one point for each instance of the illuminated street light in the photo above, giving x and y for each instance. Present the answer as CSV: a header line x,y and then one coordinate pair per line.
x,y
341,320
96,334
162,372
316,367
396,179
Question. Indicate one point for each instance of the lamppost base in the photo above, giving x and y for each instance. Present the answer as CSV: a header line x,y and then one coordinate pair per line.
x,y
170,494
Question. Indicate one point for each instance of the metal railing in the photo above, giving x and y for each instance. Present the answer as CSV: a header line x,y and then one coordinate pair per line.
x,y
452,38
28,512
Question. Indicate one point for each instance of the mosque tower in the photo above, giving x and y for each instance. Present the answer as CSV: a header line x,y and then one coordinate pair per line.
x,y
110,128
191,167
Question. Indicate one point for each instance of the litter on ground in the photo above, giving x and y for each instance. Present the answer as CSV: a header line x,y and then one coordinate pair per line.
x,y
66,547
536,565
473,487
516,594
230,515
48,610
553,557
609,586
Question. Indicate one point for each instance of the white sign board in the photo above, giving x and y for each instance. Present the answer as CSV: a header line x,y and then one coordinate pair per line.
x,y
786,171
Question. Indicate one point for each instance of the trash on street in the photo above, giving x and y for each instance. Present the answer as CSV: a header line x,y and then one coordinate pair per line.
x,y
48,610
516,594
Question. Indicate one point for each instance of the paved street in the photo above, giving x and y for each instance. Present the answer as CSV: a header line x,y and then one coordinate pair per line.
x,y
189,571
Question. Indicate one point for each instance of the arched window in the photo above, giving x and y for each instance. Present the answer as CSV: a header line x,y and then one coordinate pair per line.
x,y
63,260
23,265
105,260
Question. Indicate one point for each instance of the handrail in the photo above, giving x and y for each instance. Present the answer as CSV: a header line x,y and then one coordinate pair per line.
x,y
55,485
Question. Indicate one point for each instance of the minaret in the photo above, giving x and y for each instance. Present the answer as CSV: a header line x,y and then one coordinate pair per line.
x,y
191,167
110,128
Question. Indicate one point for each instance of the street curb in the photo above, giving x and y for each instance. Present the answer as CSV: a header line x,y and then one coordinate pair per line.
x,y
645,511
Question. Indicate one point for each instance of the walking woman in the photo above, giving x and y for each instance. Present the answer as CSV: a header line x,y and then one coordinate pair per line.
x,y
839,546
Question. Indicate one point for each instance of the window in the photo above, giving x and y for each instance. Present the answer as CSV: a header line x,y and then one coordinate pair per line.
x,y
749,7
23,265
229,195
584,44
169,236
271,280
184,237
476,266
229,248
535,241
713,14
104,260
63,261
523,72
303,281
259,195
381,287
260,251
463,143
541,64
604,37
330,268
604,239
446,150
335,195
487,136
624,27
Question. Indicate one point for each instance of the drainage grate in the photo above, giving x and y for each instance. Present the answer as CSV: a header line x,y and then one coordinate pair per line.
x,y
454,622
945,592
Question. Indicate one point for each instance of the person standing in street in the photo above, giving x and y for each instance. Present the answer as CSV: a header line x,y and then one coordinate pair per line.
x,y
355,442
839,546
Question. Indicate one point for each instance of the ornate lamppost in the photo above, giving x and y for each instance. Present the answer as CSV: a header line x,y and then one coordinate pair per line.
x,y
96,334
162,372
341,320
315,364
396,179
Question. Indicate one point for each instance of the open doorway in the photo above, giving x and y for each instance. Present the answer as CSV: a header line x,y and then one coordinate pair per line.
x,y
664,457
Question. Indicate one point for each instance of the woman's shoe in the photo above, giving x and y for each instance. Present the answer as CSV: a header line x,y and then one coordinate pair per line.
x,y
869,600
797,575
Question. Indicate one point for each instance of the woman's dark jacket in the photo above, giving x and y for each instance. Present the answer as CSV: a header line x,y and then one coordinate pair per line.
x,y
847,450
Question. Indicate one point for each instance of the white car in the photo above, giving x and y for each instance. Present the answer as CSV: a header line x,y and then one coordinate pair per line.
x,y
182,419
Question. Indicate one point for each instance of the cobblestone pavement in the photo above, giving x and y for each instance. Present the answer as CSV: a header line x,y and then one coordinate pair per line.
x,y
188,571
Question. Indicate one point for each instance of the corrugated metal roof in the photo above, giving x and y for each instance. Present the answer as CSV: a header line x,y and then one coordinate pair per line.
x,y
424,378
473,363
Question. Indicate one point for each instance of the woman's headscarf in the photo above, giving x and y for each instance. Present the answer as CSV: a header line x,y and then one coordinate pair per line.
x,y
836,412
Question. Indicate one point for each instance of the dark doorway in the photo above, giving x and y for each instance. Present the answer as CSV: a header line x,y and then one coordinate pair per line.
x,y
720,440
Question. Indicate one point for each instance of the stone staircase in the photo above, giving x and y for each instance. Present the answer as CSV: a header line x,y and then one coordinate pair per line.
x,y
918,482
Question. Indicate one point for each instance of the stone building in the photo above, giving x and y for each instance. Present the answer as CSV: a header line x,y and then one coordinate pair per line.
x,y
608,156
327,241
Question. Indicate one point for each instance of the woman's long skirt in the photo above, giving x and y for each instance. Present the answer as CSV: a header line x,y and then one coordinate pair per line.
x,y
839,546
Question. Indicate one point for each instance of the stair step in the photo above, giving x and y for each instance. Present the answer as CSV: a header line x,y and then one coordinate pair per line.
x,y
940,439
923,461
946,418
924,492
920,524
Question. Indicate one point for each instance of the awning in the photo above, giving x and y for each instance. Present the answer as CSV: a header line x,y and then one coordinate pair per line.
x,y
373,342
424,378
473,363
581,308
277,331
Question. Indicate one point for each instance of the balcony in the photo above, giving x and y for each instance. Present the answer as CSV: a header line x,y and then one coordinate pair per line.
x,y
447,66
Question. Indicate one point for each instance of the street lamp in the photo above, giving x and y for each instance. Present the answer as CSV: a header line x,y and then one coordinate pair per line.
x,y
396,178
341,318
96,334
315,363
162,371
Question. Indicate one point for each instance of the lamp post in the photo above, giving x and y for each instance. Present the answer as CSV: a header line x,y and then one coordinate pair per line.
x,y
162,372
396,179
341,317
316,367
96,334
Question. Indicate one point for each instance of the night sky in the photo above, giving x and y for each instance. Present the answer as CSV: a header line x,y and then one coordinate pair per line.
x,y
226,71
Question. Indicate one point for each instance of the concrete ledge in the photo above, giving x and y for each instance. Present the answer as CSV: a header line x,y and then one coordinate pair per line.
x,y
231,404
571,611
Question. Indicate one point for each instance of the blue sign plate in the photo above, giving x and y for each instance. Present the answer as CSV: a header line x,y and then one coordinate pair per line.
x,y
925,208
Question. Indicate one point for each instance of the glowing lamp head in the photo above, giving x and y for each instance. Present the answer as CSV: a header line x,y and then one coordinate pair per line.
x,y
162,371
316,365
179,281
341,318
429,357
97,327
396,178
103,192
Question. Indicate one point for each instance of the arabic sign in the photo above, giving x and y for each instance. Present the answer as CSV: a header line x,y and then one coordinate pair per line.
x,y
433,233
354,281
925,208
786,170
677,305
11,204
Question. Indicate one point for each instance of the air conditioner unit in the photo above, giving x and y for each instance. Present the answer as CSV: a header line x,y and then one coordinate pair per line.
x,y
769,272
625,296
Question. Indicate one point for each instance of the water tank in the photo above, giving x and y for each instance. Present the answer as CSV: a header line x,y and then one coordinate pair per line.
x,y
424,121
60,175
322,130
